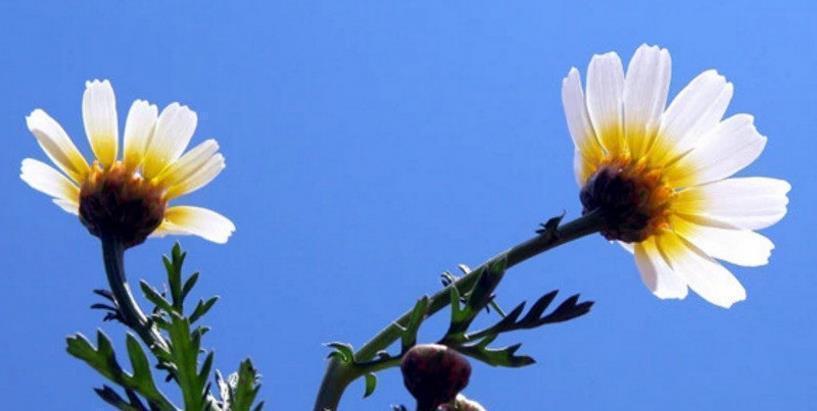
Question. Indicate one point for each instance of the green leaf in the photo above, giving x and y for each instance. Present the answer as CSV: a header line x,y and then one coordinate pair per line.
x,y
459,313
153,296
139,362
110,396
342,351
103,360
371,384
202,308
409,337
246,388
489,279
184,351
189,284
498,357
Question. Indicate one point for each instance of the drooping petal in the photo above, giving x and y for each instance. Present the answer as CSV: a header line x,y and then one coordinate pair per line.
x,y
695,111
167,228
189,163
198,179
646,86
198,221
709,279
588,151
57,145
139,128
750,203
44,178
737,246
99,117
605,89
174,128
656,274
728,148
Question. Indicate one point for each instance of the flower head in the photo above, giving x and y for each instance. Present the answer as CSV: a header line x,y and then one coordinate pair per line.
x,y
660,175
127,199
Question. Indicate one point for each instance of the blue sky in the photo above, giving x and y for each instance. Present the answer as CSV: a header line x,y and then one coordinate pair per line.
x,y
372,145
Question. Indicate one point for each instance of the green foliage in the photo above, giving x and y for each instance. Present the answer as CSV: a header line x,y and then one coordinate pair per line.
x,y
103,359
371,383
418,314
181,356
239,390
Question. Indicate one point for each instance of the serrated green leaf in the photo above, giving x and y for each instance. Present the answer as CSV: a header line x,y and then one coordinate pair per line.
x,y
459,313
206,367
202,308
247,387
153,296
498,357
184,351
409,337
103,360
371,384
139,362
189,284
487,282
111,397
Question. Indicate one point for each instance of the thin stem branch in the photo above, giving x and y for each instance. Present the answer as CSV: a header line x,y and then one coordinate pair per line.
x,y
113,253
338,375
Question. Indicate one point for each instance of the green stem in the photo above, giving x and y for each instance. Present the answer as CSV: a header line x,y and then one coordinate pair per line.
x,y
113,253
338,375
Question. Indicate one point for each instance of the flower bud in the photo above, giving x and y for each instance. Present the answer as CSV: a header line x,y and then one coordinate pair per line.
x,y
434,374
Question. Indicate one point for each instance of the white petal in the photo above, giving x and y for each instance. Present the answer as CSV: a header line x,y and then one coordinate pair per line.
x,y
582,168
189,163
751,203
67,205
588,151
646,86
605,88
741,247
200,178
198,221
44,178
174,128
578,121
696,109
656,274
138,131
725,150
167,228
57,145
99,117
712,281
630,248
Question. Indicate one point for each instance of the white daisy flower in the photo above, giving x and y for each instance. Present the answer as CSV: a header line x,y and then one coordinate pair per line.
x,y
126,200
661,175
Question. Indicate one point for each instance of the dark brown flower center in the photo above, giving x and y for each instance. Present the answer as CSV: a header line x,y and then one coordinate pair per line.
x,y
633,198
118,204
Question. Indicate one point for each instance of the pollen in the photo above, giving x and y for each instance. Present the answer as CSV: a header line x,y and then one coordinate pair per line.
x,y
119,204
633,196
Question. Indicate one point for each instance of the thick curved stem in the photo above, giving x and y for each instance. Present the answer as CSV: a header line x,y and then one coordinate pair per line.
x,y
338,376
113,253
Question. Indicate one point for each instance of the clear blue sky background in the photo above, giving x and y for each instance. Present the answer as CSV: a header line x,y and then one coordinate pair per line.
x,y
372,145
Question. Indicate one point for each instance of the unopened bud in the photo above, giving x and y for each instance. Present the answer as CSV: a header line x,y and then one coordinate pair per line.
x,y
434,374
